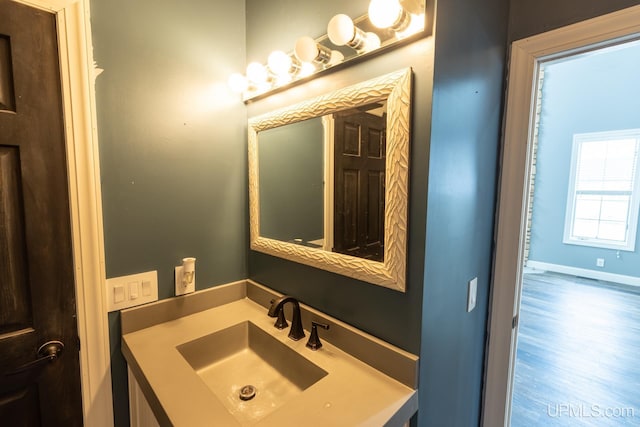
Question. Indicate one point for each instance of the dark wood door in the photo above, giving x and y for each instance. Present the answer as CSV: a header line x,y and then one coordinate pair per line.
x,y
37,294
359,171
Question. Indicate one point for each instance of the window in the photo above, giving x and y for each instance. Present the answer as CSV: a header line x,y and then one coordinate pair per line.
x,y
604,190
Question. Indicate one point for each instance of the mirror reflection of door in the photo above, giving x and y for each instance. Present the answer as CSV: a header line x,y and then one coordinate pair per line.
x,y
322,182
359,173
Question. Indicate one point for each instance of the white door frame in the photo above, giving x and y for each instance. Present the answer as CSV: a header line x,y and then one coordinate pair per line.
x,y
526,57
78,77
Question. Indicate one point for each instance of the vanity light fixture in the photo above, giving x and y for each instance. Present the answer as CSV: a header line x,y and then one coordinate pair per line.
x,y
390,14
257,73
392,20
282,80
342,31
310,51
306,69
282,67
281,64
258,78
416,24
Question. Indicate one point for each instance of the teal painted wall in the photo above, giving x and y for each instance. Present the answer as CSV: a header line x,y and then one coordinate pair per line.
x,y
172,145
470,46
595,93
527,17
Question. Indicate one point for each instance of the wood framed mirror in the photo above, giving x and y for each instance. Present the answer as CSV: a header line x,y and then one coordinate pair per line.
x,y
328,181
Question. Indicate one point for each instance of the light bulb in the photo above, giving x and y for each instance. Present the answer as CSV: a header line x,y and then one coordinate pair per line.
x,y
257,73
238,83
308,50
336,57
384,13
341,30
416,24
372,42
279,63
306,69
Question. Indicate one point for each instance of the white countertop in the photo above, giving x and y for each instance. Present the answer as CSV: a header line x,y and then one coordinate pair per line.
x,y
352,394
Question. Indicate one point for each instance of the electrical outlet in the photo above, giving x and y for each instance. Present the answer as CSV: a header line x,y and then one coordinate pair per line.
x,y
182,287
134,289
472,293
599,262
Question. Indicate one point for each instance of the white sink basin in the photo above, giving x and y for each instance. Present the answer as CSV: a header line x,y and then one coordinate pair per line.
x,y
249,371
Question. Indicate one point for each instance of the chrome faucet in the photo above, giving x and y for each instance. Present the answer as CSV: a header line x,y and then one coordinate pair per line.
x,y
296,332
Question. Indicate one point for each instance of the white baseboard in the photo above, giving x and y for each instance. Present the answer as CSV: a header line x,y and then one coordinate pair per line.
x,y
583,272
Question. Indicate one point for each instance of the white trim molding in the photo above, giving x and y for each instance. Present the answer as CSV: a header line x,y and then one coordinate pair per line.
x,y
526,57
140,413
77,75
585,272
328,125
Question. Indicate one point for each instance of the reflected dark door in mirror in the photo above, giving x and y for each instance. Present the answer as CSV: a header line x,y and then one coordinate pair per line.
x,y
360,152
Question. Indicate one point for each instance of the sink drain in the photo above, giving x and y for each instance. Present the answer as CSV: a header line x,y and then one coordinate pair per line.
x,y
247,392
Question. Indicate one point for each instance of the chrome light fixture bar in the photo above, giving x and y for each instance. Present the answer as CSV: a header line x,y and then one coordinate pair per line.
x,y
386,22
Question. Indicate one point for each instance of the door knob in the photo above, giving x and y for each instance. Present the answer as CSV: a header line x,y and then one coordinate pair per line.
x,y
47,352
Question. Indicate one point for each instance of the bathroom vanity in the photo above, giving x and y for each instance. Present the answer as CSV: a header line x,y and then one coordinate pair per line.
x,y
215,358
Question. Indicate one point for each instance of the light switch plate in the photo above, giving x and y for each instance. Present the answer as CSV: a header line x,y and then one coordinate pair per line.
x,y
134,289
472,294
119,294
146,288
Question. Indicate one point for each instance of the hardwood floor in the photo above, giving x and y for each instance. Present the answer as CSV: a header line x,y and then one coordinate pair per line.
x,y
578,356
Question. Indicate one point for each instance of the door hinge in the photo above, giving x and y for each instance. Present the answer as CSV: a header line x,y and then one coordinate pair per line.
x,y
78,341
514,322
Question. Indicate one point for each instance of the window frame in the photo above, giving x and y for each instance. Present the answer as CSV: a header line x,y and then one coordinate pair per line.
x,y
634,205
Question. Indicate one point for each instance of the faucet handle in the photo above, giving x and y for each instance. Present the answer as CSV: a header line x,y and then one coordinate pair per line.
x,y
281,322
314,340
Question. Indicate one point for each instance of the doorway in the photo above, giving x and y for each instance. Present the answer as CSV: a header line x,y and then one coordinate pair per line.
x,y
39,348
558,342
577,333
76,66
